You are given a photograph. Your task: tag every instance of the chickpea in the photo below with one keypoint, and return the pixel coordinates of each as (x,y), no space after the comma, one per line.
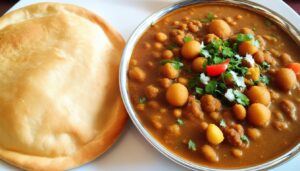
(165,82)
(203,125)
(237,153)
(161,37)
(151,91)
(220,28)
(167,54)
(191,49)
(158,45)
(285,58)
(214,134)
(246,30)
(169,71)
(254,73)
(259,115)
(253,133)
(156,121)
(239,111)
(286,79)
(183,81)
(210,37)
(153,104)
(177,94)
(215,116)
(177,113)
(140,107)
(259,57)
(174,129)
(247,48)
(198,64)
(137,74)
(210,104)
(209,153)
(258,94)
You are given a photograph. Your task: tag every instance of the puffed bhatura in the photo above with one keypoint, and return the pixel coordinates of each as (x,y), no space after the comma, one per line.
(60,105)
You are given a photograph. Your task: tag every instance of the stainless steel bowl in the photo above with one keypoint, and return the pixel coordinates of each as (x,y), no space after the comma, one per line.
(269,13)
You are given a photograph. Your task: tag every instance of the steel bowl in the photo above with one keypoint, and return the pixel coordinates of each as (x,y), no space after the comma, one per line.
(288,27)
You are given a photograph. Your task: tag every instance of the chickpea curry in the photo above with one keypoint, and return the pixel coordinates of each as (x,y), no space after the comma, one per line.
(218,85)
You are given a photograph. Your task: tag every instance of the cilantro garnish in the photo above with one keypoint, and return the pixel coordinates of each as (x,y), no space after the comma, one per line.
(264,79)
(191,145)
(210,16)
(268,23)
(264,65)
(244,37)
(187,39)
(199,90)
(175,63)
(245,139)
(180,122)
(172,46)
(223,123)
(241,98)
(142,100)
(210,88)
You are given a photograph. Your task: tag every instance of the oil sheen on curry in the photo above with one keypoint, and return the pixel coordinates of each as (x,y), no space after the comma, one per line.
(218,85)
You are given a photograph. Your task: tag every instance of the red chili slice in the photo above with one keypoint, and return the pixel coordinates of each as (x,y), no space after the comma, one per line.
(217,69)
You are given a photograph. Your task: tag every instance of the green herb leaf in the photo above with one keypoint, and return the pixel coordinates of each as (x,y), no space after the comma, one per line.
(210,16)
(264,79)
(192,146)
(244,37)
(227,52)
(172,46)
(241,98)
(268,23)
(217,60)
(142,100)
(210,88)
(205,53)
(199,90)
(264,65)
(187,39)
(245,139)
(192,83)
(175,63)
(180,121)
(223,123)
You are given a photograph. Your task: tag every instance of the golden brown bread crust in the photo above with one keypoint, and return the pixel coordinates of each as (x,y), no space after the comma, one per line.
(59,107)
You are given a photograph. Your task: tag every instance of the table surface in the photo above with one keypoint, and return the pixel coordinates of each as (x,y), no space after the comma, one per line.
(6,4)
(142,155)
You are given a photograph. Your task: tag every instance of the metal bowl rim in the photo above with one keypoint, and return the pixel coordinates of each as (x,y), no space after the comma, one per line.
(139,31)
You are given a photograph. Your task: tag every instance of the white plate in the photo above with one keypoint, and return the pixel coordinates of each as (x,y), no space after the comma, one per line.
(132,152)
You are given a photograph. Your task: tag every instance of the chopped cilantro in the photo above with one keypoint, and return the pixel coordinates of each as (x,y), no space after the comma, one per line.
(268,23)
(217,60)
(210,88)
(210,16)
(172,46)
(142,100)
(205,53)
(244,37)
(192,83)
(241,98)
(245,139)
(192,146)
(264,79)
(175,63)
(199,90)
(227,52)
(187,39)
(264,65)
(180,121)
(223,123)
